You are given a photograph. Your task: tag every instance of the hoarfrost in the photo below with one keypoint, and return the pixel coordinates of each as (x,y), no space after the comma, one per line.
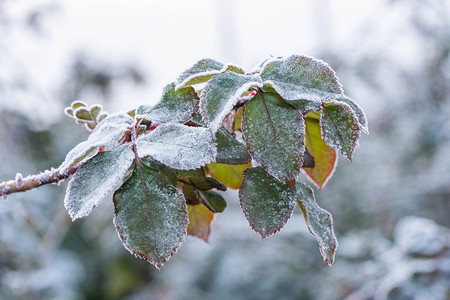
(107,133)
(340,128)
(274,134)
(266,202)
(319,222)
(151,222)
(179,146)
(360,115)
(96,179)
(301,77)
(222,93)
(176,106)
(202,71)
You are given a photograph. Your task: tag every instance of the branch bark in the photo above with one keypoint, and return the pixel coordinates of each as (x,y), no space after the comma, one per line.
(21,184)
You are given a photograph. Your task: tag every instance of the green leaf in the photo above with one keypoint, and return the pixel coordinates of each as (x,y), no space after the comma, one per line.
(319,222)
(96,179)
(150,215)
(340,128)
(305,106)
(325,157)
(235,69)
(300,77)
(220,95)
(83,113)
(77,104)
(95,111)
(266,202)
(201,72)
(190,194)
(198,179)
(176,106)
(107,134)
(229,150)
(200,218)
(170,173)
(359,113)
(274,133)
(179,146)
(230,175)
(213,201)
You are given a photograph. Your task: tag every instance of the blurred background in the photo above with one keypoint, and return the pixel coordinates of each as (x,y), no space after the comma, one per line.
(391,206)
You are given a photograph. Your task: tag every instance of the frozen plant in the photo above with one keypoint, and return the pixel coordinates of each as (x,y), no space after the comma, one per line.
(159,164)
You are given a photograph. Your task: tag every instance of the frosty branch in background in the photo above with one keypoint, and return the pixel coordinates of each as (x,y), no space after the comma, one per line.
(22,184)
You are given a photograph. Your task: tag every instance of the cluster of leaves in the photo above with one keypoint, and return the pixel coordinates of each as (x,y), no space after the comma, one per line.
(216,121)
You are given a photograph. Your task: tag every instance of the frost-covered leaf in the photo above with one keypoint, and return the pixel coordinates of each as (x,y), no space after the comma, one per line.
(230,175)
(340,128)
(266,202)
(319,222)
(229,150)
(76,104)
(300,77)
(83,114)
(212,200)
(170,173)
(360,115)
(150,215)
(305,106)
(201,72)
(234,68)
(221,94)
(176,106)
(97,179)
(107,134)
(179,146)
(274,133)
(325,157)
(200,218)
(95,111)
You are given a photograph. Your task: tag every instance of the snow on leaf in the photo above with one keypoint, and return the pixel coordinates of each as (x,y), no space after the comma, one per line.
(274,134)
(301,77)
(319,222)
(266,202)
(220,95)
(176,106)
(97,179)
(230,175)
(150,215)
(179,146)
(325,157)
(229,150)
(200,218)
(200,72)
(360,115)
(107,133)
(340,128)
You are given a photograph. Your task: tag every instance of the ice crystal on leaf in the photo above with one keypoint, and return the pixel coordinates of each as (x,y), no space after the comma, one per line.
(107,134)
(301,77)
(266,202)
(176,106)
(229,150)
(340,128)
(221,94)
(274,133)
(96,179)
(319,222)
(179,146)
(359,113)
(150,215)
(200,72)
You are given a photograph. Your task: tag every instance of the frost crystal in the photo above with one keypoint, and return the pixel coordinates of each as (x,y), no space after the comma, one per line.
(301,77)
(360,115)
(222,93)
(319,222)
(107,133)
(96,179)
(175,106)
(179,146)
(340,128)
(266,202)
(198,73)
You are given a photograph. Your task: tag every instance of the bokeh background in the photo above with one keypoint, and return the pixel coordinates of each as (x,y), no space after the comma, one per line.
(391,205)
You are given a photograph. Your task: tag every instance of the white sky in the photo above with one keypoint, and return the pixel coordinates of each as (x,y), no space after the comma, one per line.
(165,37)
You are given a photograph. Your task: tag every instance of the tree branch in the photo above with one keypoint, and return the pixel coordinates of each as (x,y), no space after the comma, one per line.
(20,184)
